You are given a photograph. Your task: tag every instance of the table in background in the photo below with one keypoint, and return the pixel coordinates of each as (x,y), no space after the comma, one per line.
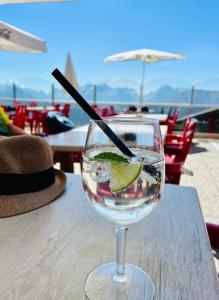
(47,253)
(40,108)
(160,117)
(73,141)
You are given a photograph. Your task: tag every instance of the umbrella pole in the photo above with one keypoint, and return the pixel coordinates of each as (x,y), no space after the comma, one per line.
(14,91)
(192,97)
(141,100)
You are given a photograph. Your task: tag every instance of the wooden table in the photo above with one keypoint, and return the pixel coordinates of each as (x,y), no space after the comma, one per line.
(47,253)
(68,144)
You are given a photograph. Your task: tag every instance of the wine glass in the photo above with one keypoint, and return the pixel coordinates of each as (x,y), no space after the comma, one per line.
(123,190)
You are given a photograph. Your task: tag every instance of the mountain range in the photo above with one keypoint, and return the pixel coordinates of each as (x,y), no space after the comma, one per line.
(105,92)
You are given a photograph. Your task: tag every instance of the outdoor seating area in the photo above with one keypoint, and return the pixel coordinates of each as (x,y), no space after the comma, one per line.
(176,147)
(33,117)
(68,148)
(108,111)
(109,150)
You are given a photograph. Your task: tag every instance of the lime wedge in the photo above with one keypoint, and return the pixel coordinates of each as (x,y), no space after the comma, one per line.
(122,173)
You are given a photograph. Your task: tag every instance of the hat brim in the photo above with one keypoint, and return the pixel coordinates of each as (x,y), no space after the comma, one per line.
(11,205)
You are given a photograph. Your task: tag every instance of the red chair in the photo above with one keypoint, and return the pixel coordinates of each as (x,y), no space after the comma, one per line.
(174,162)
(112,111)
(170,116)
(105,112)
(57,107)
(171,122)
(66,109)
(213,233)
(171,137)
(21,116)
(171,119)
(182,146)
(19,120)
(175,156)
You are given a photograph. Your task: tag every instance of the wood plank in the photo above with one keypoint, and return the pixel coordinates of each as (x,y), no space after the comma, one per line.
(47,253)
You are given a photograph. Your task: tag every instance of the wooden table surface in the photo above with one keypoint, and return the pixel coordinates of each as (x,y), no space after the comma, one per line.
(74,139)
(46,254)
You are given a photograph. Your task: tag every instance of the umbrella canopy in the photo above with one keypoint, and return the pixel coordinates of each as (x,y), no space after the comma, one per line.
(70,73)
(146,56)
(16,40)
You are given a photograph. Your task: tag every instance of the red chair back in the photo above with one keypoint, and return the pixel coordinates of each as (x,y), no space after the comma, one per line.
(19,120)
(174,165)
(171,122)
(105,112)
(21,109)
(187,141)
(186,127)
(66,109)
(57,107)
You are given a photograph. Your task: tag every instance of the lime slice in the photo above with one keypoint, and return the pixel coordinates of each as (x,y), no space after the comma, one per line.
(122,173)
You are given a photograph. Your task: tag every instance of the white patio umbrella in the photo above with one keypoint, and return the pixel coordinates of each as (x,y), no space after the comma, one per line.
(16,40)
(70,73)
(146,56)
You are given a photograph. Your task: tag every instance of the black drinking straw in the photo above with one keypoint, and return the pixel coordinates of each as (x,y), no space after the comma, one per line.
(91,113)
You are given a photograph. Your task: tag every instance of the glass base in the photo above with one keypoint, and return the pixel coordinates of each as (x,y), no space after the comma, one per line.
(103,284)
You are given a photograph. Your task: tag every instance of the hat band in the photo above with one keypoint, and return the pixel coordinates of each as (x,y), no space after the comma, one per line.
(26,183)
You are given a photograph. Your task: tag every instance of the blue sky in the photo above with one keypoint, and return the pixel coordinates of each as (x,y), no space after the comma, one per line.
(93,29)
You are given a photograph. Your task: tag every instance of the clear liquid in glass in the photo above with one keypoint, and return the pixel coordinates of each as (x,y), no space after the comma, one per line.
(132,203)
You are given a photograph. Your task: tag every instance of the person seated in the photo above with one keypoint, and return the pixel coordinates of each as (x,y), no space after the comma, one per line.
(6,126)
(132,108)
(145,109)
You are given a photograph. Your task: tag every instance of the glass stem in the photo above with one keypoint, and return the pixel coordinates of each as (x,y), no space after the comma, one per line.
(121,233)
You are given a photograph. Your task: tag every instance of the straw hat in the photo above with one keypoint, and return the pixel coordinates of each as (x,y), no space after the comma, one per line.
(27,177)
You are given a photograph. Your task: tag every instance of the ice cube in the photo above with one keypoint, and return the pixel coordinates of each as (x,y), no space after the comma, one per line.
(100,173)
(146,176)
